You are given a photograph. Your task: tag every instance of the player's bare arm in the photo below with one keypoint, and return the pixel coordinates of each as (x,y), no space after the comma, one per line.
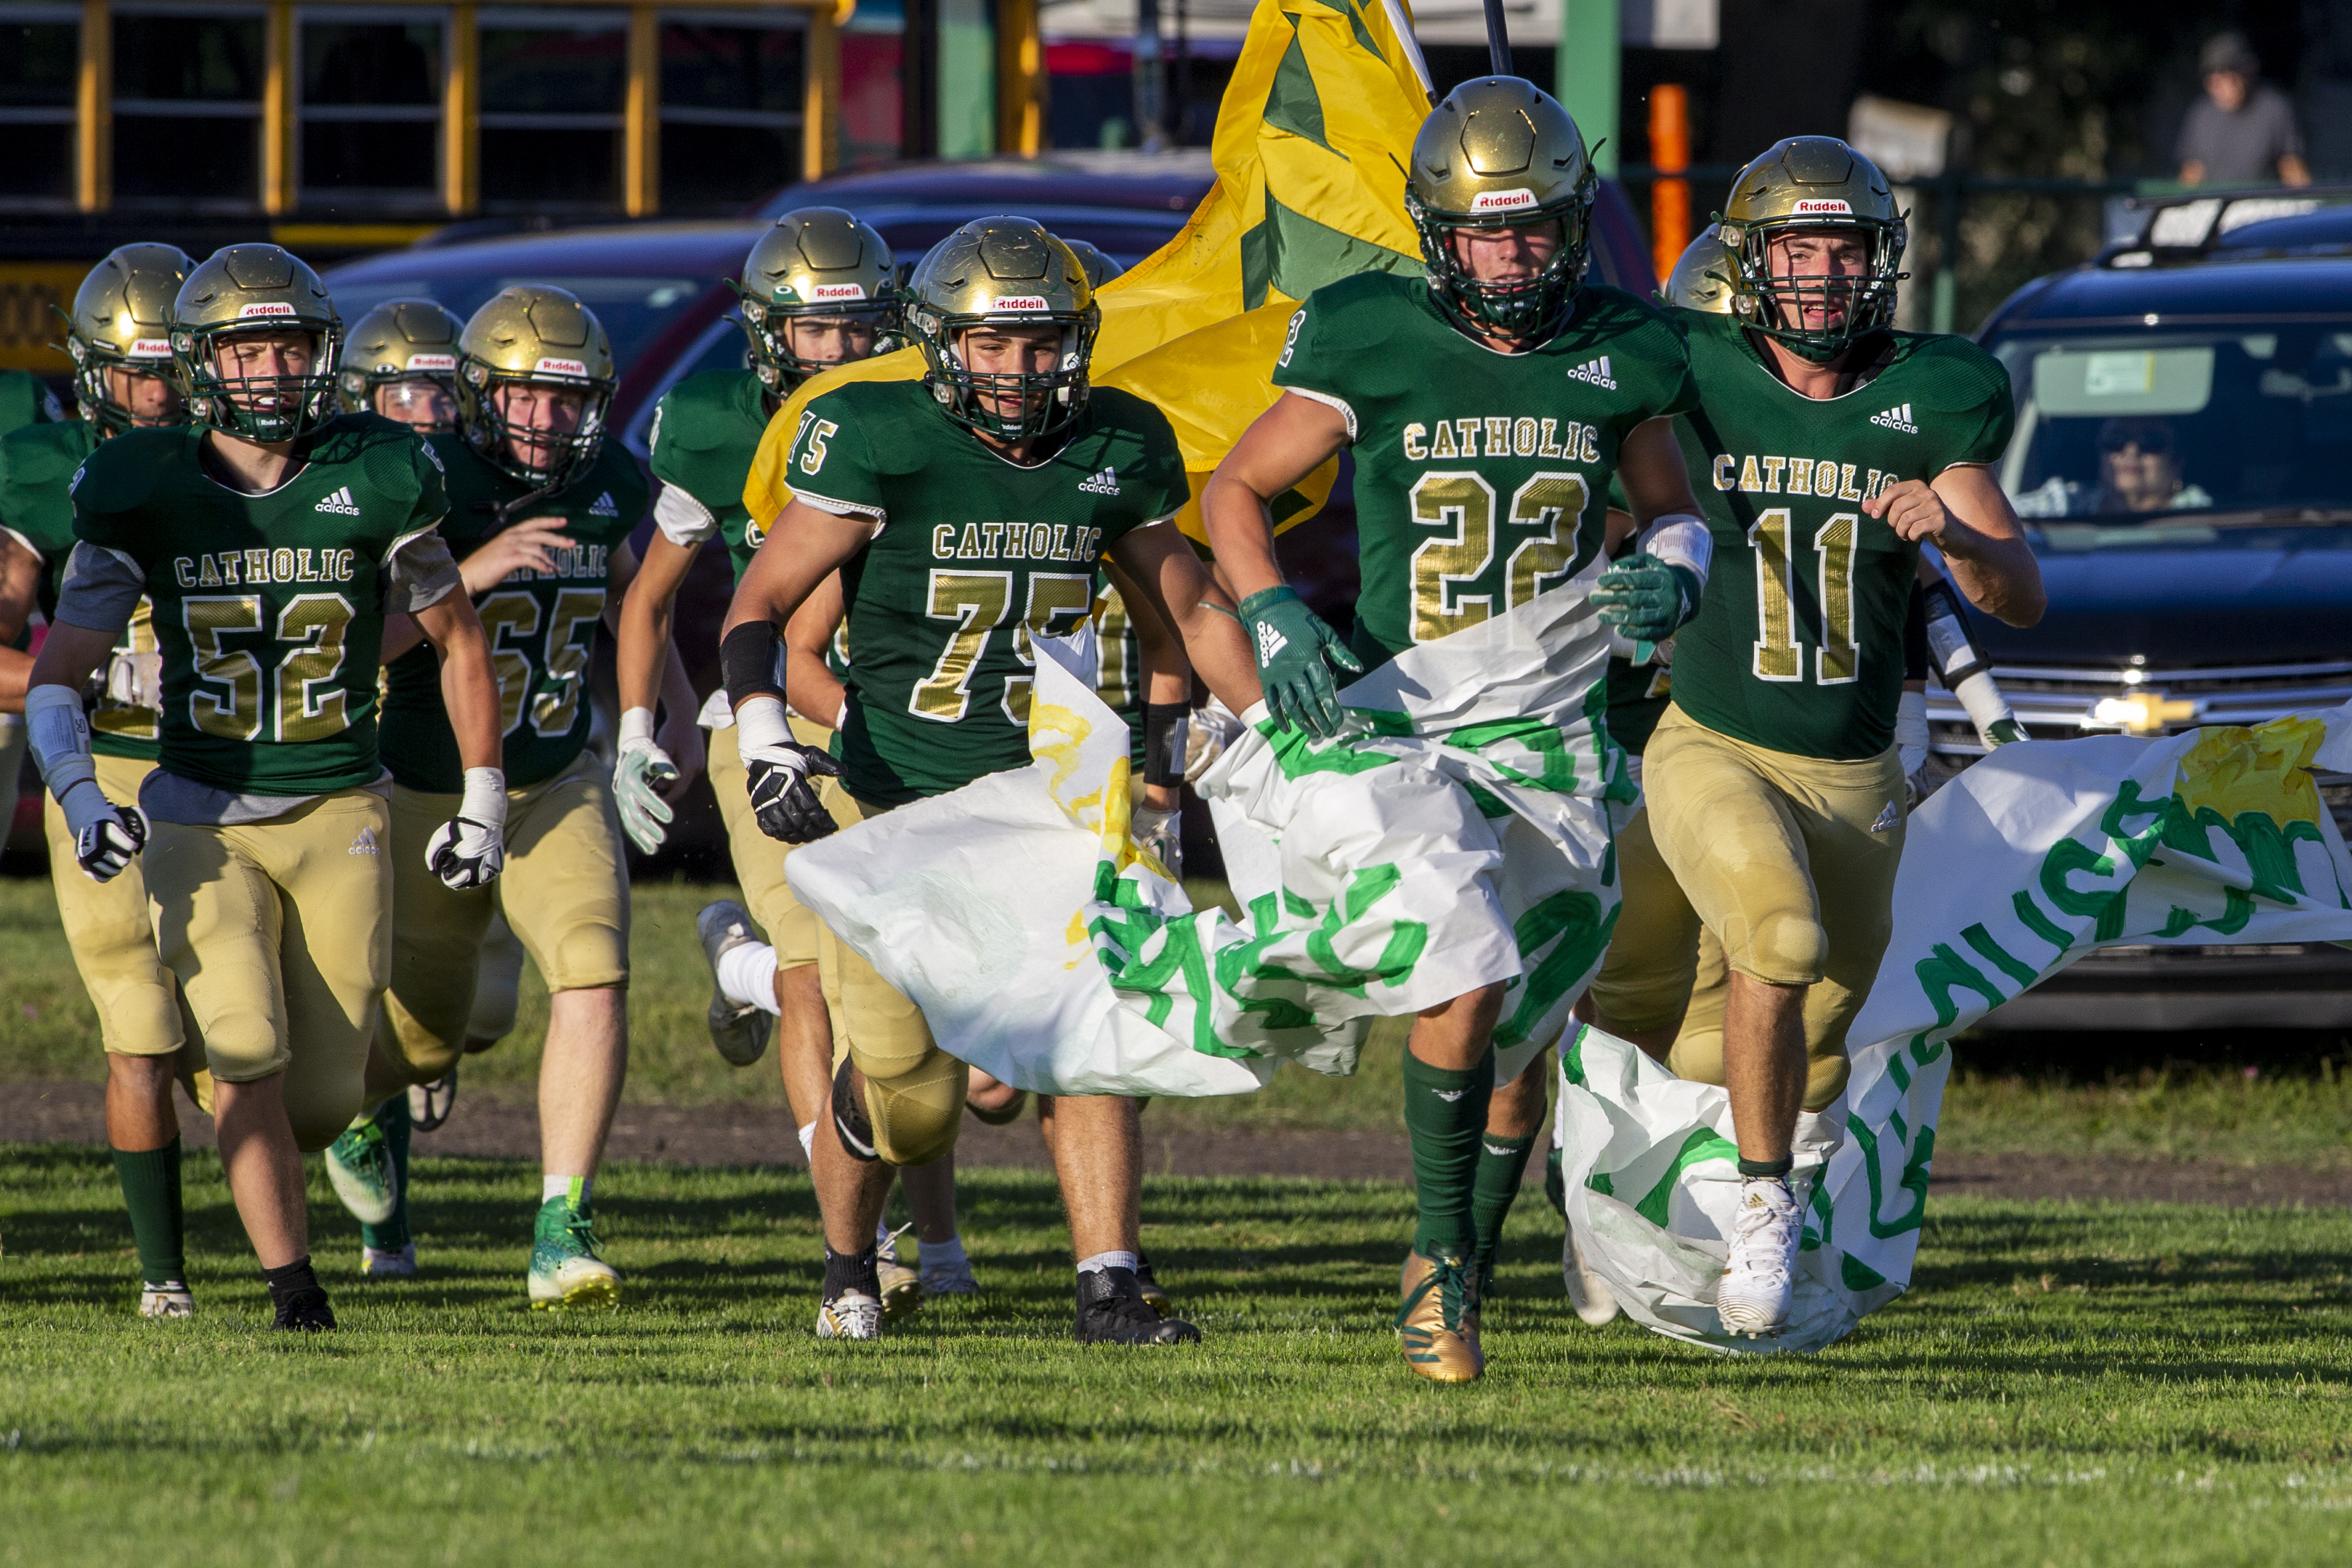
(1966,516)
(810,684)
(648,611)
(678,737)
(20,578)
(1173,584)
(1281,447)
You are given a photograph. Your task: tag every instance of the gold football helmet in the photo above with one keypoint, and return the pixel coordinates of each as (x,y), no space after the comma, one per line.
(1813,183)
(247,289)
(817,261)
(121,320)
(400,340)
(1500,152)
(1705,275)
(1005,271)
(531,335)
(1099,268)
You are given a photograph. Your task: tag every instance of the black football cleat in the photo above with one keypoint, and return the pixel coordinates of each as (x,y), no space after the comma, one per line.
(1112,1312)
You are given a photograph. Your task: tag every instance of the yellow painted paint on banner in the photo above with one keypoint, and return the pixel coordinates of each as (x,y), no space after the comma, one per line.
(1310,150)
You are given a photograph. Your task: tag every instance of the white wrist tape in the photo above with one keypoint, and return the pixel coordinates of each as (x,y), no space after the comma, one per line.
(1911,720)
(1978,694)
(1679,538)
(636,725)
(485,799)
(760,726)
(60,737)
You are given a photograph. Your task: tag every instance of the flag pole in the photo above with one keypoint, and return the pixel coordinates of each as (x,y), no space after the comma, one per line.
(1499,38)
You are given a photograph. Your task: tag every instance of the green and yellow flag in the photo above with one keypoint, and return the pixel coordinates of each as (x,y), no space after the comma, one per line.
(1310,151)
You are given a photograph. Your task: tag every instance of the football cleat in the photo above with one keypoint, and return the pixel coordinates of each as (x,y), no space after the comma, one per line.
(567,1266)
(902,1288)
(1437,1319)
(738,1030)
(360,1165)
(388,1262)
(949,1278)
(304,1312)
(1586,1291)
(852,1315)
(172,1299)
(429,1104)
(1759,1279)
(1154,1296)
(1112,1312)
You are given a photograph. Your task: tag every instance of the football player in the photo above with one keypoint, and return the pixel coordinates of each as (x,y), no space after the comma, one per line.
(541,507)
(966,512)
(819,288)
(1831,446)
(273,538)
(400,361)
(120,339)
(25,399)
(1488,407)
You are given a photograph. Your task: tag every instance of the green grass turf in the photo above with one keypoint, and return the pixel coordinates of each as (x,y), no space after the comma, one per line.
(2065,1385)
(47,1031)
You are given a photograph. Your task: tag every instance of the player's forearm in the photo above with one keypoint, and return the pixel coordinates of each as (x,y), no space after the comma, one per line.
(647,619)
(678,700)
(1999,576)
(401,633)
(16,675)
(71,654)
(1240,523)
(469,686)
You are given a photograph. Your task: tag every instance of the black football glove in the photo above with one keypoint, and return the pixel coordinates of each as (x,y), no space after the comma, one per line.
(783,801)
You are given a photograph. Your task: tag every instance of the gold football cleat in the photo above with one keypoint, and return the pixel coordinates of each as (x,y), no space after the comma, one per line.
(902,1288)
(1437,1321)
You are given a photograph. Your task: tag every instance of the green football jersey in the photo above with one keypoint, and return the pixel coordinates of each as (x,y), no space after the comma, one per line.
(269,610)
(25,399)
(706,430)
(972,555)
(36,465)
(1481,476)
(542,627)
(1798,646)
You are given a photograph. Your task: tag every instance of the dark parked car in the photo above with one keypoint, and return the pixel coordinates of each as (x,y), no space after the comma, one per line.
(2184,421)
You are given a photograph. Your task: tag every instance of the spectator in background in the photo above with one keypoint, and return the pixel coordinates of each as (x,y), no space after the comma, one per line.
(2242,132)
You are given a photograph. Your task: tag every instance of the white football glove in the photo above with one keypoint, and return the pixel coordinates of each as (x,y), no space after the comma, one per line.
(469,850)
(1911,742)
(783,801)
(1161,835)
(1212,729)
(106,836)
(641,770)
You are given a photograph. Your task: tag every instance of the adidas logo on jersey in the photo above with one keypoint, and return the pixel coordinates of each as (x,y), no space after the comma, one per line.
(1269,643)
(1896,419)
(604,505)
(1105,483)
(1595,371)
(339,503)
(1886,819)
(365,843)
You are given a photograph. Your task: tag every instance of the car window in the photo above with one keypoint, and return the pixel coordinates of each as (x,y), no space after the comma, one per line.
(2128,427)
(719,346)
(635,310)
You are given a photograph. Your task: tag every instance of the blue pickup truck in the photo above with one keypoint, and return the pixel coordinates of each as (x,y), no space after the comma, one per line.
(2183,464)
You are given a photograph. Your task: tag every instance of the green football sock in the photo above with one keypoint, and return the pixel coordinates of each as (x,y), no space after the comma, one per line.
(151,1190)
(392,1234)
(1502,1162)
(1445,1113)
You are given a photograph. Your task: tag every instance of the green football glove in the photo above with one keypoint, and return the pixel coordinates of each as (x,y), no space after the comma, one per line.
(1645,598)
(2004,732)
(1292,645)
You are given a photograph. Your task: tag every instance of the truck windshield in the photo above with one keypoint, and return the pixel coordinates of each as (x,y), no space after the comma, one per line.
(2138,426)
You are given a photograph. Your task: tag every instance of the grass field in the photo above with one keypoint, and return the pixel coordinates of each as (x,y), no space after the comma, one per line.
(47,1031)
(2141,1387)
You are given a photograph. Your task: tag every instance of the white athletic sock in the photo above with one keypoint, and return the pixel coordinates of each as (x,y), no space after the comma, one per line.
(575,1188)
(746,976)
(808,1141)
(1108,1261)
(948,1254)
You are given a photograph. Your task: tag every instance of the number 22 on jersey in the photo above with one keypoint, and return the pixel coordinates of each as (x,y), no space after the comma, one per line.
(1780,655)
(1446,568)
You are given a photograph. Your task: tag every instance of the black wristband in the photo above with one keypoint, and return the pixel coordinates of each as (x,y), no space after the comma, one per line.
(1165,724)
(747,662)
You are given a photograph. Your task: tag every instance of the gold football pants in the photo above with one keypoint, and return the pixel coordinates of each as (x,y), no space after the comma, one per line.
(1788,862)
(140,1010)
(760,859)
(914,1090)
(565,892)
(279,933)
(1646,975)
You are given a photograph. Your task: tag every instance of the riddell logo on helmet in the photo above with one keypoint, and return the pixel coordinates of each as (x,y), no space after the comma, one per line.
(264,308)
(838,291)
(1022,302)
(432,362)
(151,348)
(1823,207)
(1503,201)
(558,367)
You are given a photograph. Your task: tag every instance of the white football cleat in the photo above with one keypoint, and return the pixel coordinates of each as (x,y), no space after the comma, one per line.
(852,1315)
(1759,1279)
(388,1263)
(172,1299)
(1586,1291)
